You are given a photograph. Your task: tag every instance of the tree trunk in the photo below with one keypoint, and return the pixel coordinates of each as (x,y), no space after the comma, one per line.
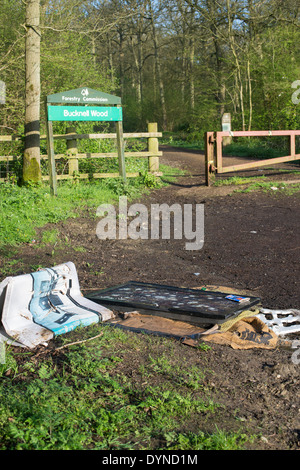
(237,64)
(121,62)
(31,162)
(192,83)
(250,96)
(137,68)
(158,70)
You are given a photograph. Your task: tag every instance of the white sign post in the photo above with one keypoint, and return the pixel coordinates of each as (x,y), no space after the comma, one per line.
(2,92)
(226,127)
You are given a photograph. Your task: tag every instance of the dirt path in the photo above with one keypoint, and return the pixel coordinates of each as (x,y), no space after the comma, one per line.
(252,242)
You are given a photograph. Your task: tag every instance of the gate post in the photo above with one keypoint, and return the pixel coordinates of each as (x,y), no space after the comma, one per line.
(153,148)
(292,145)
(51,157)
(209,158)
(72,152)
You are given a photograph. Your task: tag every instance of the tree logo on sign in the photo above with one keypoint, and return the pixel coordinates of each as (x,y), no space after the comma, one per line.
(85,92)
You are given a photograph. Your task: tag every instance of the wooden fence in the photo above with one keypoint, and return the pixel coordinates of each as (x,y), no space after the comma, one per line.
(214,153)
(72,156)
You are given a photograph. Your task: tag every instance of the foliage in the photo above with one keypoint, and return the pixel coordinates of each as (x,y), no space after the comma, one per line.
(79,398)
(192,61)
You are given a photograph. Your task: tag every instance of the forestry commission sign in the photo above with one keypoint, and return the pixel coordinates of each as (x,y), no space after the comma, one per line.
(83,104)
(84,96)
(80,105)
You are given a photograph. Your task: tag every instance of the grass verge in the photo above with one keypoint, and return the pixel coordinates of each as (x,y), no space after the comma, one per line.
(112,390)
(260,183)
(23,209)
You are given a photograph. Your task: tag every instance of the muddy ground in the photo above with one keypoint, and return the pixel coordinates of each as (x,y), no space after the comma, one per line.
(252,243)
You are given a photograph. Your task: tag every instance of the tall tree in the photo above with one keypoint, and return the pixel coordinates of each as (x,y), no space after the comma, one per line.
(152,19)
(31,162)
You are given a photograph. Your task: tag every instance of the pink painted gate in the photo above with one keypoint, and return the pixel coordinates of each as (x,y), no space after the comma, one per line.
(214,151)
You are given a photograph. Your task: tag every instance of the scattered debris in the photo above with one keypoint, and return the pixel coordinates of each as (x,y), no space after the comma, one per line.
(245,334)
(158,325)
(282,322)
(36,307)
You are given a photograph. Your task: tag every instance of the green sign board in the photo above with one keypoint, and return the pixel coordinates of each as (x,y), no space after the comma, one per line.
(91,105)
(84,113)
(84,96)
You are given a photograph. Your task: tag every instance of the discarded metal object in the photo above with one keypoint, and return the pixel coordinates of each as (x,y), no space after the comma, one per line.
(36,307)
(178,303)
(282,322)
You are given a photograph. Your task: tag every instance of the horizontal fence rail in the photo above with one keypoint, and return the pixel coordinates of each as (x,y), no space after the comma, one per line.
(214,151)
(72,155)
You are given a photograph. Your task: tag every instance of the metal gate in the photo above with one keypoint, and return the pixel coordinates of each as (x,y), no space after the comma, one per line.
(214,151)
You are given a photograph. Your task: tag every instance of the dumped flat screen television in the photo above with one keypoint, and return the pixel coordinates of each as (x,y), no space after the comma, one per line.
(179,303)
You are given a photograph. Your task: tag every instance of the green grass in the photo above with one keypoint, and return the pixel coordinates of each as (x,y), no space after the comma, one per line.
(182,140)
(260,183)
(81,397)
(23,209)
(50,236)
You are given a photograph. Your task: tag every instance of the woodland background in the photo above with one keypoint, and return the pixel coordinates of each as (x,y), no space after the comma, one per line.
(181,63)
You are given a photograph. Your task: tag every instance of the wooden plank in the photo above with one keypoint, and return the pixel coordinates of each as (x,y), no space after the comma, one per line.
(105,155)
(142,134)
(258,163)
(9,158)
(257,133)
(94,175)
(129,135)
(10,138)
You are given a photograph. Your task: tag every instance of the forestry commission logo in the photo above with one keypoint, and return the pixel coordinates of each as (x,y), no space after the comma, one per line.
(85,92)
(161,221)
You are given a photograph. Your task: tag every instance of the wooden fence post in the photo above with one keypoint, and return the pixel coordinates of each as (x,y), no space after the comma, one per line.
(153,148)
(120,150)
(51,157)
(72,152)
(209,158)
